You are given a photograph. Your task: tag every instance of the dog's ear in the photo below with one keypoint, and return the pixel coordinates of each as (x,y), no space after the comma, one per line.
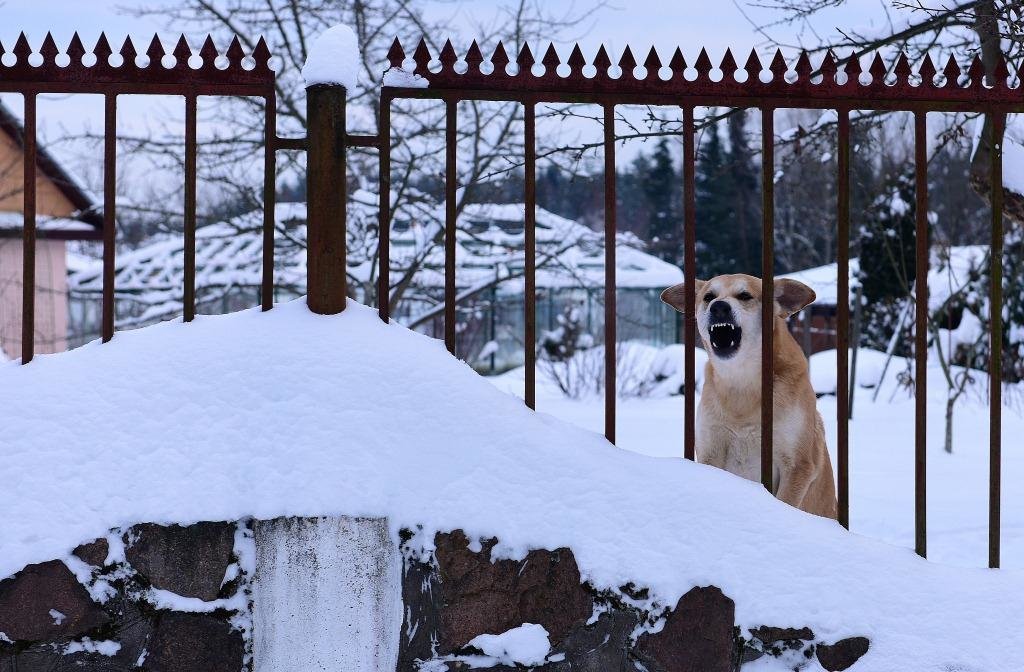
(792,296)
(675,295)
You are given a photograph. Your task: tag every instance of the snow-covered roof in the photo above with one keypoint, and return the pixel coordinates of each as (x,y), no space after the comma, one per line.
(221,419)
(16,221)
(948,270)
(490,240)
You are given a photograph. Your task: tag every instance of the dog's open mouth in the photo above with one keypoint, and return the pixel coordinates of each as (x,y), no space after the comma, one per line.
(725,338)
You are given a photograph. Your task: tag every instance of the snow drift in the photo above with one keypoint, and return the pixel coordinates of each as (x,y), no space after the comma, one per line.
(290,413)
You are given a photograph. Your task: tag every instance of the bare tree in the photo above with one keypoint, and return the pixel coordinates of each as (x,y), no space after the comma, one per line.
(489,133)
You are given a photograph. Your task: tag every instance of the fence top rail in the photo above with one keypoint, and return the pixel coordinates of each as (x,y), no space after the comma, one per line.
(236,70)
(830,81)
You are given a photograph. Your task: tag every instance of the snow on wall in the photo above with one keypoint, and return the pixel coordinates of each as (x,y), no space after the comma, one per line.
(287,413)
(326,595)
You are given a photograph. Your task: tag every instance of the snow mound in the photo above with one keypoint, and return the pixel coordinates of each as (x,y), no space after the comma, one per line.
(399,77)
(333,58)
(526,645)
(870,366)
(291,413)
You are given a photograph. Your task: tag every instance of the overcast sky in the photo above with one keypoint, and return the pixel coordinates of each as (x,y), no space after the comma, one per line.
(688,23)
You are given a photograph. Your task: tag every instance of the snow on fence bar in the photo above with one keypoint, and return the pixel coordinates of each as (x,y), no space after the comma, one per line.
(840,83)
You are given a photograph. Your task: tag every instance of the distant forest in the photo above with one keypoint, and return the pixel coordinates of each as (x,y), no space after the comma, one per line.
(728,178)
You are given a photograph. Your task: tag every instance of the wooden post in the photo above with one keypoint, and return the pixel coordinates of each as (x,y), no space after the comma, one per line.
(326,197)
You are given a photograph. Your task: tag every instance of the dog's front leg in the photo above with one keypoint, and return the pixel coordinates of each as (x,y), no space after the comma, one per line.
(794,482)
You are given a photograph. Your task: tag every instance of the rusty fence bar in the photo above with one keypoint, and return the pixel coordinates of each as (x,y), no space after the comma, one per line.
(921,335)
(530,253)
(690,279)
(995,421)
(326,196)
(189,298)
(768,317)
(450,219)
(384,214)
(609,274)
(269,200)
(109,212)
(28,261)
(843,319)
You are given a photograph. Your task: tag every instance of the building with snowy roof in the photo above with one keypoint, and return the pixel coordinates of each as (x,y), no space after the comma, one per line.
(950,269)
(65,211)
(489,275)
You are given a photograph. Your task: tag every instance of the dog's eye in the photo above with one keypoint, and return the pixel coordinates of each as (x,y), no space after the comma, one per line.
(744,296)
(709,297)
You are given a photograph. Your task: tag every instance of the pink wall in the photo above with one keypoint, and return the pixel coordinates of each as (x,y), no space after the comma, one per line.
(51,323)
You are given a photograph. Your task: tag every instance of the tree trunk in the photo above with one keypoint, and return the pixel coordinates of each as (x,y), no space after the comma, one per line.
(986,25)
(950,402)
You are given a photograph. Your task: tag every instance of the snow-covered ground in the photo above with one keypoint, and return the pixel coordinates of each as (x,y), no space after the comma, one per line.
(881,449)
(288,413)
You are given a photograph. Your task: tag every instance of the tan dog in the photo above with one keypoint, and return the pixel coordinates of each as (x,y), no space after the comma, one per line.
(729,415)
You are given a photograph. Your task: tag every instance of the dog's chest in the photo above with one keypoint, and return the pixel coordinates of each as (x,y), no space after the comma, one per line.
(735,449)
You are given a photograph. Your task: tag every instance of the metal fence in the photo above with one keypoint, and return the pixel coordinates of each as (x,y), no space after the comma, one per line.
(837,84)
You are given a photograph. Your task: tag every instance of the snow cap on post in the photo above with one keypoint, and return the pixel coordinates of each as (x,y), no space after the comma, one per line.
(333,58)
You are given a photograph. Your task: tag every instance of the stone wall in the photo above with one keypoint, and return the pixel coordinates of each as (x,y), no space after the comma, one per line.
(182,599)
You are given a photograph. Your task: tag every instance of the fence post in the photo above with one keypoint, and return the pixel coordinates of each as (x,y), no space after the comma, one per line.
(326,280)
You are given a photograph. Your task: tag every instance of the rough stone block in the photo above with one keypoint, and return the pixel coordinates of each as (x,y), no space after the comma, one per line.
(770,635)
(600,647)
(843,654)
(421,594)
(193,642)
(46,602)
(94,552)
(479,596)
(189,561)
(697,637)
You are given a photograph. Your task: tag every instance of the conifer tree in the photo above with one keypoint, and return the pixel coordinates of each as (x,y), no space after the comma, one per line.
(662,191)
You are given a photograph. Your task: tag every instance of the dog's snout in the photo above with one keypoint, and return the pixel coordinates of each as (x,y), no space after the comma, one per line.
(720,310)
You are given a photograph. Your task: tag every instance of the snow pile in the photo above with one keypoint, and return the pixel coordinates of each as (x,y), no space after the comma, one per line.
(333,58)
(526,645)
(1013,161)
(104,647)
(870,366)
(401,78)
(290,413)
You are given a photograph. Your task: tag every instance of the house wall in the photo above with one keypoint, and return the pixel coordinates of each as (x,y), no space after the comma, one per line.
(51,321)
(49,199)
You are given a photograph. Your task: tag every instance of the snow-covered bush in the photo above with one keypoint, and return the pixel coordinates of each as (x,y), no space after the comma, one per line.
(562,342)
(887,264)
(641,371)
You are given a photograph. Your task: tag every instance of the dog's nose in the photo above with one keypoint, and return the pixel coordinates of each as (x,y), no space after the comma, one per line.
(720,310)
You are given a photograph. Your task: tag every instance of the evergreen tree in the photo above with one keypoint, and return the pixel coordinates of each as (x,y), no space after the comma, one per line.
(634,210)
(745,197)
(728,228)
(715,243)
(661,188)
(888,262)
